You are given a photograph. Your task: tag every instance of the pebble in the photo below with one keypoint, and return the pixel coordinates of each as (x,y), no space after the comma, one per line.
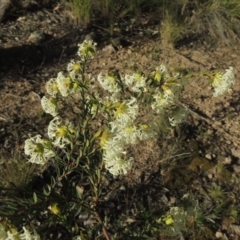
(109,49)
(221,236)
(36,37)
(235,152)
(210,176)
(129,51)
(236,168)
(227,160)
(208,156)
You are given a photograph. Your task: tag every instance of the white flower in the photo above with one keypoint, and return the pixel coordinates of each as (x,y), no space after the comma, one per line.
(147,131)
(60,133)
(118,165)
(128,134)
(167,92)
(3,233)
(66,85)
(161,101)
(77,238)
(109,83)
(74,66)
(38,149)
(12,236)
(160,73)
(76,78)
(126,111)
(49,105)
(113,157)
(28,236)
(222,83)
(86,49)
(136,82)
(52,88)
(112,147)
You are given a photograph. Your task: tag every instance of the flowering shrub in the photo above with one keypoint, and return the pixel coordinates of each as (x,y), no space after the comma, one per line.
(95,123)
(125,98)
(7,233)
(222,82)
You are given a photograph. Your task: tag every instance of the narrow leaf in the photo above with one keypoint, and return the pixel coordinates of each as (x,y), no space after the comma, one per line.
(35,197)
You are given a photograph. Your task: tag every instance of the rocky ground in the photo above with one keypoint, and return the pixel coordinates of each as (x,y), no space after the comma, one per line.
(36,45)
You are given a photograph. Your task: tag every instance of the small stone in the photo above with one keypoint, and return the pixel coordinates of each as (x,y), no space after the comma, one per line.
(227,160)
(210,176)
(235,152)
(236,168)
(219,235)
(21,19)
(122,188)
(109,49)
(36,37)
(208,156)
(90,36)
(172,201)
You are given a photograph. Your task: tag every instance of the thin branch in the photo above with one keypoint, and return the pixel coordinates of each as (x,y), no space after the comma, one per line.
(103,226)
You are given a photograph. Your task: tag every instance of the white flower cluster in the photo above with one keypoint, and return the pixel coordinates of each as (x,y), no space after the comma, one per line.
(162,101)
(123,132)
(64,85)
(60,133)
(222,83)
(38,149)
(50,105)
(86,49)
(164,96)
(109,83)
(136,82)
(160,73)
(13,234)
(70,84)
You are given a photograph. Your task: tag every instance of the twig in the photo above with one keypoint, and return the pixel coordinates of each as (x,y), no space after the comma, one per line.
(61,54)
(178,155)
(42,62)
(103,226)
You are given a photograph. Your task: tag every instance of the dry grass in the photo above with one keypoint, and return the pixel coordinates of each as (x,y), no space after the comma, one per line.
(215,20)
(171,30)
(14,170)
(79,11)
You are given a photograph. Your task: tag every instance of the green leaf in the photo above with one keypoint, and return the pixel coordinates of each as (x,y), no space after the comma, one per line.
(79,191)
(97,134)
(86,146)
(45,192)
(53,181)
(78,211)
(72,207)
(79,157)
(35,197)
